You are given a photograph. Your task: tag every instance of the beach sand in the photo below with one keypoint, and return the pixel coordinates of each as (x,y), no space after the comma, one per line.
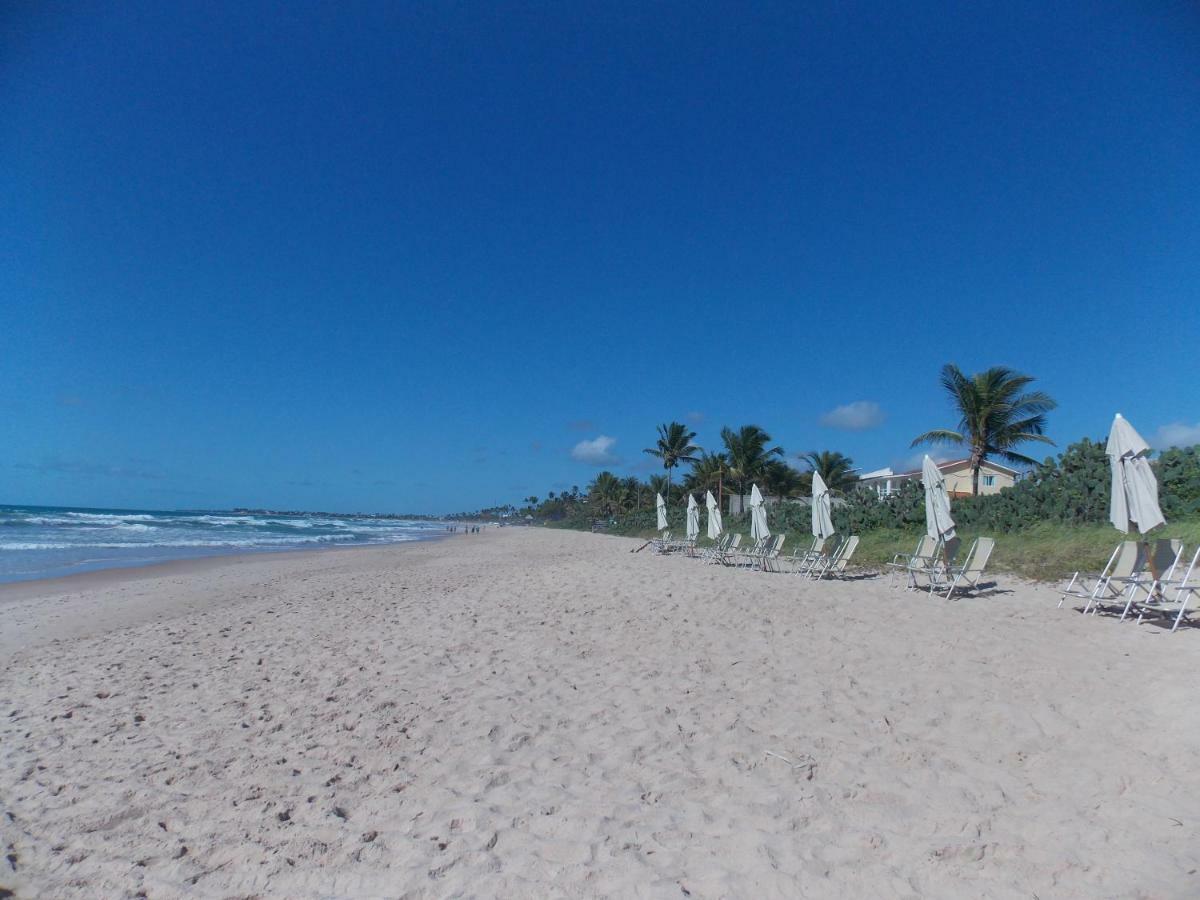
(532,713)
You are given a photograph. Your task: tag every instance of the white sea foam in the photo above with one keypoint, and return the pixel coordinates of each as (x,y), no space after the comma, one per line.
(42,541)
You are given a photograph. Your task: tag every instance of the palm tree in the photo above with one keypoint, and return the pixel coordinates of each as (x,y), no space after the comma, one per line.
(673,447)
(780,479)
(836,469)
(747,452)
(633,488)
(708,472)
(605,493)
(994,416)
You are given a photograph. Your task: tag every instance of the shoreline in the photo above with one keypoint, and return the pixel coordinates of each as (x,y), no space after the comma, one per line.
(107,575)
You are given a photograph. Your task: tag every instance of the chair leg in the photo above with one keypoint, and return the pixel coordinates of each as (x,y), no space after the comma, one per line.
(1182,607)
(1063,598)
(1129,602)
(953,586)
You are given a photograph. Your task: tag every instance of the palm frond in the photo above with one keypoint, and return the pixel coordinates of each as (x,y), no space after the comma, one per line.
(938,436)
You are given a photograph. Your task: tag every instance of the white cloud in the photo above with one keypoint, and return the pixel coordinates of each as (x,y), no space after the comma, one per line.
(696,417)
(857,416)
(596,452)
(1177,434)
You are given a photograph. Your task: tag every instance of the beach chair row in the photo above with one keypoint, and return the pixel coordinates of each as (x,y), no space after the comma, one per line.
(934,562)
(1151,579)
(824,558)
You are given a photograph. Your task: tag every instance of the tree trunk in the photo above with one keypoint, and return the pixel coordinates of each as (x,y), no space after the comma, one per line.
(976,459)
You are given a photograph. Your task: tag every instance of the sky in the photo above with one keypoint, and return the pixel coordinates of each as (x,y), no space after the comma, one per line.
(432,257)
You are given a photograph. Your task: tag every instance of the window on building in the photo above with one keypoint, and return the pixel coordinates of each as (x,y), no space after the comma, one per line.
(989,480)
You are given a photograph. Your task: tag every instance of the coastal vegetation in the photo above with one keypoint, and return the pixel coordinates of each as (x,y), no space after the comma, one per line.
(1052,521)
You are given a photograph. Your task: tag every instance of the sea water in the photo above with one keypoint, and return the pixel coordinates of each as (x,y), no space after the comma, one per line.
(44,541)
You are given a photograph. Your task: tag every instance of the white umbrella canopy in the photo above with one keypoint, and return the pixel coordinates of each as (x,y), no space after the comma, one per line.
(715,525)
(1134,499)
(758,515)
(693,518)
(661,506)
(938,523)
(822,517)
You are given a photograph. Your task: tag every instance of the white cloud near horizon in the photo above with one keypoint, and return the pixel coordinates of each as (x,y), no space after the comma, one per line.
(860,415)
(1177,434)
(596,452)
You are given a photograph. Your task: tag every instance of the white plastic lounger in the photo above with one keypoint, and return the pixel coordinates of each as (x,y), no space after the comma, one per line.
(1124,563)
(709,554)
(801,554)
(1163,563)
(834,565)
(748,557)
(965,577)
(1119,589)
(770,557)
(921,560)
(803,562)
(727,556)
(936,566)
(1188,585)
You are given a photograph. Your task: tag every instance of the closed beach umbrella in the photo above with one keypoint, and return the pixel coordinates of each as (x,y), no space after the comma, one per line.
(938,524)
(1134,501)
(715,525)
(661,505)
(822,519)
(693,518)
(758,515)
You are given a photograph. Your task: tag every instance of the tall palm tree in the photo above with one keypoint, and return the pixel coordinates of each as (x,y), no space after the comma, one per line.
(995,415)
(747,452)
(673,447)
(836,469)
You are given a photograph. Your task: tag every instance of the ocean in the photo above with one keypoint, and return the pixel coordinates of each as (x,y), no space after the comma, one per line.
(47,541)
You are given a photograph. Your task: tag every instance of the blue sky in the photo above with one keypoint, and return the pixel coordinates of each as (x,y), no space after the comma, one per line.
(427,258)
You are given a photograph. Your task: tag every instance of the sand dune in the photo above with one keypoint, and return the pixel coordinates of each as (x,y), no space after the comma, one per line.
(532,713)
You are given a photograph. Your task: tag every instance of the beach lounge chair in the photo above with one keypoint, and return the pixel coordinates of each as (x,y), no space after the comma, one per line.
(1183,592)
(728,555)
(934,568)
(826,553)
(1117,589)
(799,552)
(834,565)
(1124,563)
(682,545)
(770,557)
(1163,561)
(709,553)
(929,556)
(965,577)
(749,558)
(802,558)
